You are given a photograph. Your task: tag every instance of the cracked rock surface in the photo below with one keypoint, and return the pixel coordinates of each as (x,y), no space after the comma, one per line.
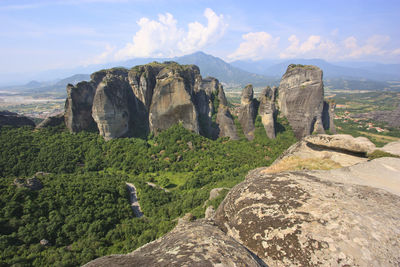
(316,218)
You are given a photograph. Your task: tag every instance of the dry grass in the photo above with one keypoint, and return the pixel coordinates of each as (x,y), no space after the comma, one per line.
(294,163)
(381,138)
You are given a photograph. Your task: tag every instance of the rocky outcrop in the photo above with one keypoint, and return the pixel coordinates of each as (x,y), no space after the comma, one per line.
(267,110)
(197,243)
(51,121)
(13,119)
(247,112)
(323,152)
(328,112)
(172,100)
(300,99)
(78,107)
(32,183)
(152,97)
(113,107)
(392,148)
(318,218)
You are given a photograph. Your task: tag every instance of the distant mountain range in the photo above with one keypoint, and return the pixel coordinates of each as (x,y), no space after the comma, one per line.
(237,74)
(345,70)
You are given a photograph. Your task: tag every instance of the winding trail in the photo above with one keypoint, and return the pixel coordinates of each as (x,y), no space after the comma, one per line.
(134,202)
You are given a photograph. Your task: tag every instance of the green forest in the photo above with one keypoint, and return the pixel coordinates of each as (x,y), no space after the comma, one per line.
(83,209)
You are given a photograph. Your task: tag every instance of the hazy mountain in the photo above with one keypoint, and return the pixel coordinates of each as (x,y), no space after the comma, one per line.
(346,70)
(352,75)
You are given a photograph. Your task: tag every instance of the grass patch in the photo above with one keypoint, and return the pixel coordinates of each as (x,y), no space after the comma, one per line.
(295,163)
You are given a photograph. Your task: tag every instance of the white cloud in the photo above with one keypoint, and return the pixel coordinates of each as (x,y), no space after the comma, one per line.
(374,46)
(163,38)
(103,57)
(396,52)
(256,45)
(315,46)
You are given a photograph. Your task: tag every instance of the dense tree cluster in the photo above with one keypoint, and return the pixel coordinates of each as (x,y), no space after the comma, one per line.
(83,209)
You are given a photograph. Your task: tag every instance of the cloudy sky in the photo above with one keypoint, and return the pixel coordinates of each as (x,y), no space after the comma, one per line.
(46,34)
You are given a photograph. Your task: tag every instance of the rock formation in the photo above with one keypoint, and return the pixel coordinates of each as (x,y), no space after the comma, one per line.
(51,121)
(323,152)
(318,218)
(392,148)
(32,183)
(112,107)
(267,110)
(247,112)
(328,112)
(146,98)
(78,107)
(13,119)
(196,243)
(300,99)
(172,100)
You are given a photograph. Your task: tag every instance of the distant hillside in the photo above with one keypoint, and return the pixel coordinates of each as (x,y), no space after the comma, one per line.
(346,70)
(237,74)
(225,72)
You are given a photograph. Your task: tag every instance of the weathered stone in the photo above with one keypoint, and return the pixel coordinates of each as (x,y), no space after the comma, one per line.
(197,243)
(78,107)
(13,119)
(51,121)
(328,113)
(32,183)
(113,107)
(143,80)
(300,99)
(225,123)
(247,112)
(267,111)
(318,218)
(323,152)
(344,142)
(172,99)
(392,148)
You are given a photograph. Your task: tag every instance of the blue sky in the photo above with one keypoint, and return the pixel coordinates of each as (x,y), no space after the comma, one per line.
(49,34)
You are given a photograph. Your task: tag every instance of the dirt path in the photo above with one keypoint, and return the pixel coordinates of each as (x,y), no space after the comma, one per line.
(134,202)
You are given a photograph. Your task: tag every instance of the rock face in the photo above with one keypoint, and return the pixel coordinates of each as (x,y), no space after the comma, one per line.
(323,152)
(51,121)
(300,100)
(328,115)
(317,218)
(172,100)
(196,243)
(247,112)
(152,97)
(13,119)
(267,110)
(392,148)
(112,107)
(78,107)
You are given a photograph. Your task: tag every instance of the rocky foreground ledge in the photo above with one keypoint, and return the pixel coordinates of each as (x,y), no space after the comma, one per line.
(348,216)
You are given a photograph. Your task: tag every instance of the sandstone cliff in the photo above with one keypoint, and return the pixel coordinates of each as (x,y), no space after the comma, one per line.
(300,99)
(119,102)
(247,112)
(267,110)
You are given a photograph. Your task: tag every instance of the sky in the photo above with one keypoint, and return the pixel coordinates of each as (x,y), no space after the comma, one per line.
(40,35)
